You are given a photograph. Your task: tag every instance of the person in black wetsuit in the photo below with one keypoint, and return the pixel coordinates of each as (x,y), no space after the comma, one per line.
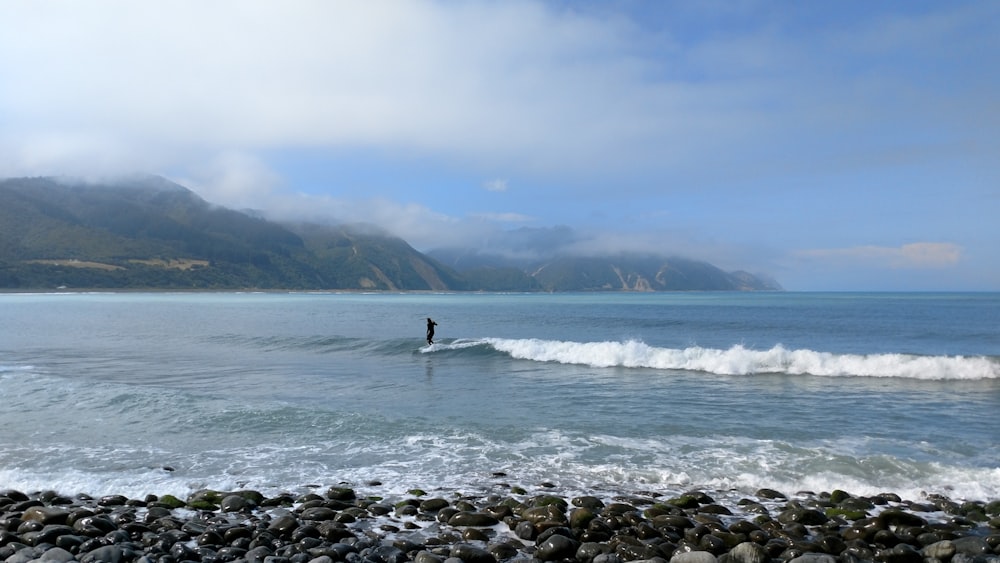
(430,331)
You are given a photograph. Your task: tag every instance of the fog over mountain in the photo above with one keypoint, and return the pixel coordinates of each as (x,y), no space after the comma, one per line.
(149,232)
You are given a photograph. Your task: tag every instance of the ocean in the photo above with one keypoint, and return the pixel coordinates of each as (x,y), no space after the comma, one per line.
(597,393)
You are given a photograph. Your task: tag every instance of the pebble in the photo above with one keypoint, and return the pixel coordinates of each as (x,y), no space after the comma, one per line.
(344,527)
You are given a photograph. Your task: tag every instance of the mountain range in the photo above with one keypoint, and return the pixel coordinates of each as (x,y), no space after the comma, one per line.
(146,232)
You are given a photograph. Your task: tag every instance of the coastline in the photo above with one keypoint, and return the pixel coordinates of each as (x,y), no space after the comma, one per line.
(336,523)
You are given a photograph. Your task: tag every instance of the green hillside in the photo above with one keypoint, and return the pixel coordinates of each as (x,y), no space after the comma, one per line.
(150,233)
(146,232)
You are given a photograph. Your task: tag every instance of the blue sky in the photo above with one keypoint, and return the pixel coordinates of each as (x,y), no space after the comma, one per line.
(832,145)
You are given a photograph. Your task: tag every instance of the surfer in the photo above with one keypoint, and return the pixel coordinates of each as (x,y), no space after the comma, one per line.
(430,331)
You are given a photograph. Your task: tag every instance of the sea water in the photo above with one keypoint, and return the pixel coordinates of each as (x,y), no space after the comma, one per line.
(156,393)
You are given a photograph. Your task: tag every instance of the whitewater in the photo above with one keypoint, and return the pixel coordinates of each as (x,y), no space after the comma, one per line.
(166,393)
(737,360)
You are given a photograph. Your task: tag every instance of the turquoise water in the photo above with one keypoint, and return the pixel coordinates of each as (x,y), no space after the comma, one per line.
(167,393)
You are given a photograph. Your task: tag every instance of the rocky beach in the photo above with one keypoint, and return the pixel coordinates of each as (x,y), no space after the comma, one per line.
(506,523)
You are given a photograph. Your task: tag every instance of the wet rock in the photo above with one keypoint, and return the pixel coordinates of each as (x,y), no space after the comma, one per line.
(503,550)
(972,545)
(57,555)
(426,557)
(607,558)
(341,493)
(814,558)
(896,517)
(746,552)
(770,494)
(555,547)
(433,504)
(103,554)
(46,515)
(802,515)
(244,526)
(387,554)
(234,503)
(942,550)
(471,554)
(901,553)
(472,519)
(694,557)
(283,525)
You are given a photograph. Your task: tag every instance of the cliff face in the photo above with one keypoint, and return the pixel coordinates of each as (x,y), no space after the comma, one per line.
(147,232)
(643,273)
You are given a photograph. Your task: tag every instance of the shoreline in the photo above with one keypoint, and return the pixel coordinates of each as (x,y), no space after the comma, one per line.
(337,523)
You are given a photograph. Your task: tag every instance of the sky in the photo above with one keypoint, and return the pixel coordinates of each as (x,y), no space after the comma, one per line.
(848,145)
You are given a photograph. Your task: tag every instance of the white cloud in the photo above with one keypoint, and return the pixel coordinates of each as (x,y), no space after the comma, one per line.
(527,85)
(238,180)
(504,217)
(495,185)
(918,255)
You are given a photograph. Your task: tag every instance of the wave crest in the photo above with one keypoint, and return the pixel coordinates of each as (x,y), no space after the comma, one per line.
(739,360)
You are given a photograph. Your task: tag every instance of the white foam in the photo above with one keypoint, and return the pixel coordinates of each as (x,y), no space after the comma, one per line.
(460,461)
(739,360)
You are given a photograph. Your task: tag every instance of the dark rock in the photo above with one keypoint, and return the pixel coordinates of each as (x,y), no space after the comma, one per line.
(802,515)
(387,554)
(471,554)
(334,531)
(832,544)
(553,531)
(24,555)
(693,557)
(94,525)
(814,558)
(234,503)
(181,552)
(712,544)
(618,508)
(303,532)
(210,537)
(892,517)
(526,530)
(427,557)
(636,552)
(112,500)
(57,555)
(538,514)
(433,504)
(70,543)
(714,509)
(593,503)
(14,495)
(283,526)
(46,515)
(341,493)
(503,550)
(50,534)
(885,538)
(472,519)
(901,553)
(748,552)
(557,547)
(684,501)
(972,545)
(475,534)
(103,554)
(589,550)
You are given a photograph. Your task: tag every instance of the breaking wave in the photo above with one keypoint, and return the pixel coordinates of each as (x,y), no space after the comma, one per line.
(738,360)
